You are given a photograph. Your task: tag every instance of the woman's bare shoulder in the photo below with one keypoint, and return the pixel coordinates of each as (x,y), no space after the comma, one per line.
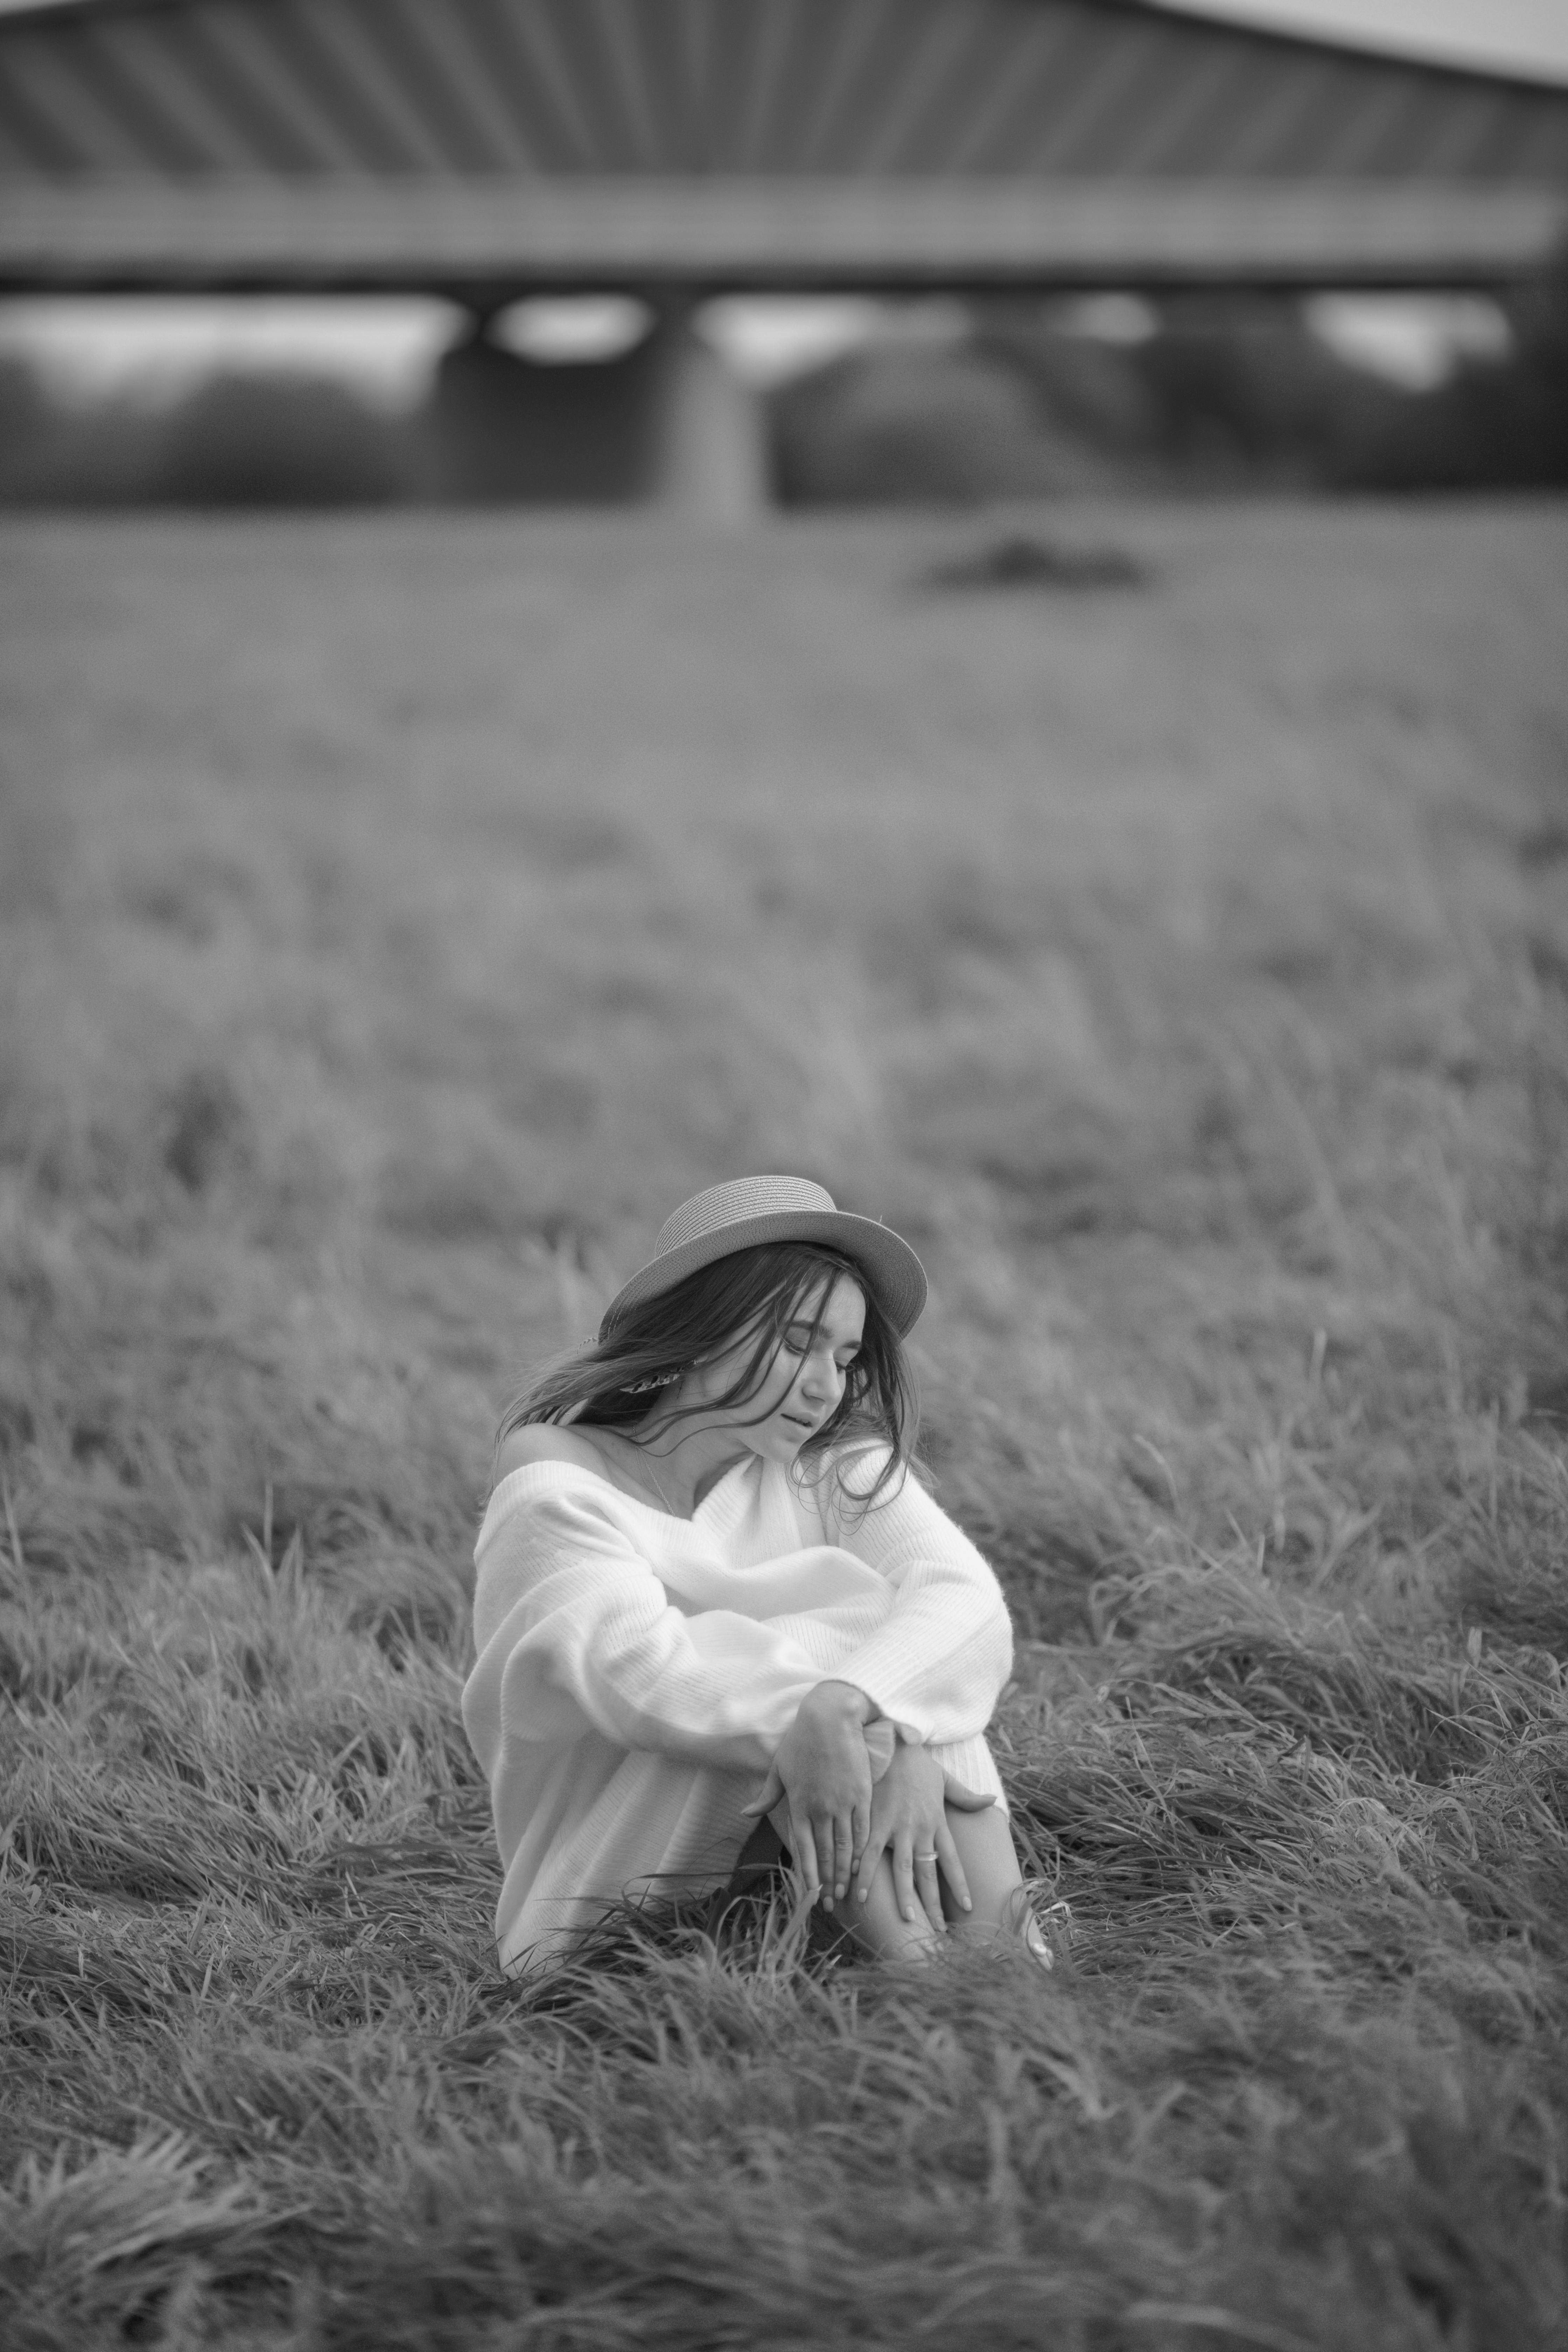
(545,1441)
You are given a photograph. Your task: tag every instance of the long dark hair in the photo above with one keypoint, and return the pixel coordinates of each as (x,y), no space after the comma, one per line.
(753,1294)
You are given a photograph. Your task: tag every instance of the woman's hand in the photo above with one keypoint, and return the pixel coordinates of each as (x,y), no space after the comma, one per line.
(909,1821)
(824,1769)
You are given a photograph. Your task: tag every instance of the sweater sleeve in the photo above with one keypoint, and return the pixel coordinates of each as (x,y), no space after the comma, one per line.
(575,1631)
(939,1664)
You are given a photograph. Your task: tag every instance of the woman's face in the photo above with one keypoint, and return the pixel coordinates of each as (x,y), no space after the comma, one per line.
(804,1385)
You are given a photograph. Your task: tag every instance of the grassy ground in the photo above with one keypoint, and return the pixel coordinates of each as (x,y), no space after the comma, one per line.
(396,917)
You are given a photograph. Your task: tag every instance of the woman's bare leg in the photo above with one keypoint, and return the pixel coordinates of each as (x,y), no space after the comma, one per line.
(879,1925)
(984,1845)
(1001,1906)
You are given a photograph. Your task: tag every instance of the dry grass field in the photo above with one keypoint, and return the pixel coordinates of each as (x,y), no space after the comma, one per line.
(397,915)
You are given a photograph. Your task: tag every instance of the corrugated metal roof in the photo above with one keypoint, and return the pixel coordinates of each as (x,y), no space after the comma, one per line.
(245,111)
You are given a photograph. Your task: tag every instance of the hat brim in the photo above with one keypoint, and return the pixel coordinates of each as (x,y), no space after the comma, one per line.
(891,1269)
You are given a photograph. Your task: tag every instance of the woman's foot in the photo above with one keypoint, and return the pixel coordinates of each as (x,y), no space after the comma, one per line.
(1012,1921)
(1028,1930)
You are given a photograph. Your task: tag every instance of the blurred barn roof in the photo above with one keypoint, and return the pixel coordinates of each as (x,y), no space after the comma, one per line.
(486,147)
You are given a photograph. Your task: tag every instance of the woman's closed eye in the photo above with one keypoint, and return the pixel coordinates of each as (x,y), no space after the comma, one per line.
(845,1359)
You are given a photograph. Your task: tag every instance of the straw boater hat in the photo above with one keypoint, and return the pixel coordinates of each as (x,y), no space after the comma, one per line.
(737,1216)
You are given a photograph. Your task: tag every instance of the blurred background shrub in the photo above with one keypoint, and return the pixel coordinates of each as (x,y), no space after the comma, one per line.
(1223,394)
(240,438)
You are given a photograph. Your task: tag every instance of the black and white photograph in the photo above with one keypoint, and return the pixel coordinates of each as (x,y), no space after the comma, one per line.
(784,1175)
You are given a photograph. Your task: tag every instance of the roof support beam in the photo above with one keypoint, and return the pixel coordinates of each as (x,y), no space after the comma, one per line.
(433,233)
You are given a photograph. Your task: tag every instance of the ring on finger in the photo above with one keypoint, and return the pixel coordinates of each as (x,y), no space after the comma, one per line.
(924,1857)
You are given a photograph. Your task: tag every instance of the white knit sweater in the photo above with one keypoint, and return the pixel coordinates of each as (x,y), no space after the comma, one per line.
(637,1671)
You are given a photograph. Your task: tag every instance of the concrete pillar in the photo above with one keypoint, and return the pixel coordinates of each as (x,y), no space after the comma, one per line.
(668,424)
(707,446)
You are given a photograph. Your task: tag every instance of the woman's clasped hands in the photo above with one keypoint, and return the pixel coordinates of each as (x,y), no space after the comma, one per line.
(855,1792)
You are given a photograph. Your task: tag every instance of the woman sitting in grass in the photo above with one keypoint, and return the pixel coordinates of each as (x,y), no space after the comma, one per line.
(710,1590)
